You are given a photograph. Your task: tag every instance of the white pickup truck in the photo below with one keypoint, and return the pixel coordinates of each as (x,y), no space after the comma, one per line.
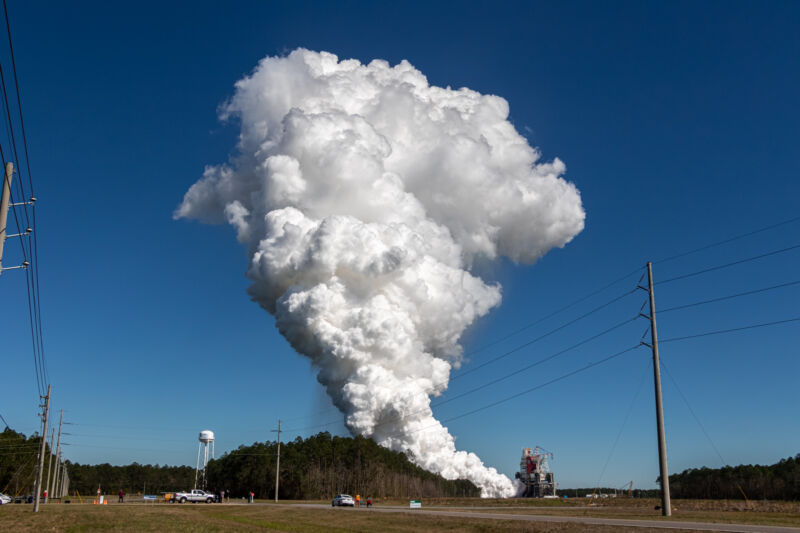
(193,496)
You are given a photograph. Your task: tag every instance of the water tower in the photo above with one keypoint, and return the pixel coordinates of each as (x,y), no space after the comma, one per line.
(206,437)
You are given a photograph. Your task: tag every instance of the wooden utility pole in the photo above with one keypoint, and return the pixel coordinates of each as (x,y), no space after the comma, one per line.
(64,481)
(5,197)
(666,506)
(278,464)
(58,455)
(37,493)
(50,465)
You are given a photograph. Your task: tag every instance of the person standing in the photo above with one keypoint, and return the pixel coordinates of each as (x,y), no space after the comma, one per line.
(358,500)
(121,496)
(369,501)
(222,496)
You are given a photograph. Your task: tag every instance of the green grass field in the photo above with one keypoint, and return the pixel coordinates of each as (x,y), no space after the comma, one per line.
(212,518)
(242,517)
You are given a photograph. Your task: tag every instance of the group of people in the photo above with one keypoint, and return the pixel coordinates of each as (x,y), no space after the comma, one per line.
(358,500)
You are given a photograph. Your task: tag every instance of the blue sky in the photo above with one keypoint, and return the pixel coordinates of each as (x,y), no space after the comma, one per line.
(677,122)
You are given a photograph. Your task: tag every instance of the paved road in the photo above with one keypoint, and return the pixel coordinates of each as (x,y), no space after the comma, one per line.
(617,522)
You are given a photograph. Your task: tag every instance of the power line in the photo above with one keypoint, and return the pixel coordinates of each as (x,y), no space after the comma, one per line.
(622,278)
(528,391)
(721,331)
(161,450)
(35,247)
(557,311)
(124,437)
(537,339)
(186,428)
(585,297)
(30,296)
(622,428)
(590,365)
(489,383)
(726,241)
(32,274)
(694,415)
(729,297)
(12,139)
(332,422)
(36,359)
(13,209)
(117,426)
(30,280)
(19,100)
(536,363)
(326,411)
(732,263)
(235,453)
(30,445)
(13,454)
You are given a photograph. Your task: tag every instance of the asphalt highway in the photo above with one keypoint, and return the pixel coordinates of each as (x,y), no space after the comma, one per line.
(615,522)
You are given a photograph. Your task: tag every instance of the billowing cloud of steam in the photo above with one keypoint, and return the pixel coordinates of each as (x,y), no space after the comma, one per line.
(363,195)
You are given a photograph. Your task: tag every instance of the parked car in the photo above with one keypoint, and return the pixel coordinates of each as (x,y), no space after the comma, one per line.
(4,499)
(343,499)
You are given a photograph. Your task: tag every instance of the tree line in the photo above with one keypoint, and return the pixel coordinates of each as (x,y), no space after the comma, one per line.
(131,479)
(18,455)
(780,481)
(323,465)
(318,467)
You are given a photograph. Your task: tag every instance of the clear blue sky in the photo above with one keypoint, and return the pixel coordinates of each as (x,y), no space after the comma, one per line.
(677,121)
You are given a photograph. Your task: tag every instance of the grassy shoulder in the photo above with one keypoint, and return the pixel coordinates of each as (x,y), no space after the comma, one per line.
(75,518)
(216,518)
(720,517)
(719,511)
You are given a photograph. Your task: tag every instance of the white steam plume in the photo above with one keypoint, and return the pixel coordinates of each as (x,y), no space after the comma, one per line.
(363,195)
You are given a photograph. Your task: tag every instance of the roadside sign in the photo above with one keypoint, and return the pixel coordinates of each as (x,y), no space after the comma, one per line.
(415,504)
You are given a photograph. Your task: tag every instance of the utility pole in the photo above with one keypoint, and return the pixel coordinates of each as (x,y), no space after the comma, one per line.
(278,464)
(58,473)
(58,453)
(50,465)
(4,199)
(40,470)
(64,481)
(666,506)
